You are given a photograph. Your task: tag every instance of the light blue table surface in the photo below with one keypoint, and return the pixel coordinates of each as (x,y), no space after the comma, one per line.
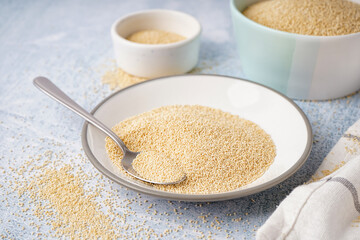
(69,42)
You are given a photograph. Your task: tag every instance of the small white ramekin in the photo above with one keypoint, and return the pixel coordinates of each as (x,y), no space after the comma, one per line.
(156,60)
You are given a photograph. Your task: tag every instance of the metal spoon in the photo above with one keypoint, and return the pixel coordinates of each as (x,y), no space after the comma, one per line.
(46,86)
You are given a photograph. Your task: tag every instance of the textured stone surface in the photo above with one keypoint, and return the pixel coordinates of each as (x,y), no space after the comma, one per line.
(69,42)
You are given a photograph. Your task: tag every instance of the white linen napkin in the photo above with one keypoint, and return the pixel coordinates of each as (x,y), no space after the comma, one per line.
(327,207)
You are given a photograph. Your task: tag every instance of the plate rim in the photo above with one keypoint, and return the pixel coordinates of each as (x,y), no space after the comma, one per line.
(235,194)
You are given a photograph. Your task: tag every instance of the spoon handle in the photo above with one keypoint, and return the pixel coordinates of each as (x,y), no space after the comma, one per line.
(50,89)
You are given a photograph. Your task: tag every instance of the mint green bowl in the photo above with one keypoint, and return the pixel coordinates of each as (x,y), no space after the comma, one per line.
(299,66)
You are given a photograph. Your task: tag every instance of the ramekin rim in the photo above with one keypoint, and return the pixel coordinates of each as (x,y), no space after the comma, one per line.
(123,40)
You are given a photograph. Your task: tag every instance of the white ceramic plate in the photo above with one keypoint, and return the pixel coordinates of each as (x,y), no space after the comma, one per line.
(278,115)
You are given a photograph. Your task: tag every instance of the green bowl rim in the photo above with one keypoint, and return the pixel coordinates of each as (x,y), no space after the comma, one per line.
(236,12)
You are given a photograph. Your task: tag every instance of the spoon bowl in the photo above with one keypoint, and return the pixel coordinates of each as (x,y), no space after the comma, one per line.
(50,89)
(127,164)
